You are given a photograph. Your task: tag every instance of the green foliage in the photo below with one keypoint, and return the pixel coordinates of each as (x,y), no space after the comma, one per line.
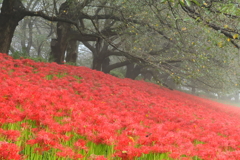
(18,55)
(58,75)
(117,74)
(78,78)
(71,63)
(38,59)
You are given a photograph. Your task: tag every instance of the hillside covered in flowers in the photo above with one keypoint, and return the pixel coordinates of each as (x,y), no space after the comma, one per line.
(66,112)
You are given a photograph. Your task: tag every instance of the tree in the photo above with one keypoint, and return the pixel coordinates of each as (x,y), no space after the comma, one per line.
(182,41)
(221,19)
(12,12)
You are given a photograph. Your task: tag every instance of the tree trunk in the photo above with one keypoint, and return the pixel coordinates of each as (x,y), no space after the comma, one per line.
(133,71)
(193,90)
(147,76)
(97,63)
(237,97)
(72,50)
(105,65)
(11,14)
(59,45)
(98,56)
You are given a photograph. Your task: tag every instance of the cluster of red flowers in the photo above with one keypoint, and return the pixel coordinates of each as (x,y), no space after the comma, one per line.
(135,116)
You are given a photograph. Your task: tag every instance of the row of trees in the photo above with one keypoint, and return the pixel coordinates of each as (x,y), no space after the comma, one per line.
(194,43)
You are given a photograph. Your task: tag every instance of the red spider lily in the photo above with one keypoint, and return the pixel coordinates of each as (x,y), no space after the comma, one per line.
(9,151)
(81,144)
(66,152)
(12,135)
(97,157)
(44,138)
(134,116)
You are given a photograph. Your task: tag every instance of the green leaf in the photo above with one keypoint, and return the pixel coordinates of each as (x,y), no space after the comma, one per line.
(188,2)
(182,3)
(196,2)
(163,1)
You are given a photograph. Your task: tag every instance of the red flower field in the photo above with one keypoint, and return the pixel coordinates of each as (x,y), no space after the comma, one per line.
(69,112)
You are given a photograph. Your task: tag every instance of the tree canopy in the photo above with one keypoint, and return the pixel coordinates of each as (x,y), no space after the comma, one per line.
(192,43)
